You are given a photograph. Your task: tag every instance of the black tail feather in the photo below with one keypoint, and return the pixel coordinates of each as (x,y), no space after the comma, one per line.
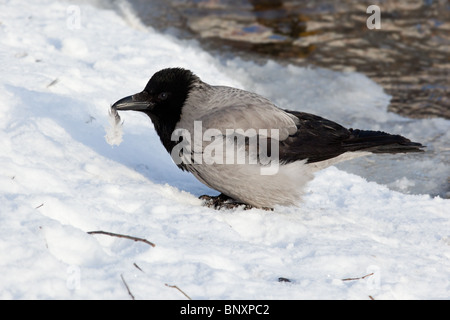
(380,142)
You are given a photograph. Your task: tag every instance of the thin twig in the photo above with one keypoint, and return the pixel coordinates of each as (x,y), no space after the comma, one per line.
(360,278)
(41,205)
(126,286)
(122,236)
(52,83)
(139,268)
(45,239)
(175,287)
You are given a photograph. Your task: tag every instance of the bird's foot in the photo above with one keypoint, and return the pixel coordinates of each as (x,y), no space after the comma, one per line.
(223,201)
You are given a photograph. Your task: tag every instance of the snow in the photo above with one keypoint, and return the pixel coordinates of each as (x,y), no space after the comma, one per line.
(65,63)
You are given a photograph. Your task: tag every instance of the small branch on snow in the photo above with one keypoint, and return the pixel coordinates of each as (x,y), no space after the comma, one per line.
(122,236)
(137,267)
(45,239)
(126,286)
(360,278)
(53,83)
(175,287)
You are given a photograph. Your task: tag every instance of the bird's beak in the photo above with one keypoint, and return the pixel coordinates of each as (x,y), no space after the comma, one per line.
(136,102)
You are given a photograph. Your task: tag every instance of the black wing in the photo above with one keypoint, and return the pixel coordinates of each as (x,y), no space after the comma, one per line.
(319,139)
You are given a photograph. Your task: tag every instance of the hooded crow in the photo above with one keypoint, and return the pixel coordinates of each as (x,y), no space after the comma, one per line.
(242,145)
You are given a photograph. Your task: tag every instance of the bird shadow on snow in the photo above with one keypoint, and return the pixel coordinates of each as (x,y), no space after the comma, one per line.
(143,153)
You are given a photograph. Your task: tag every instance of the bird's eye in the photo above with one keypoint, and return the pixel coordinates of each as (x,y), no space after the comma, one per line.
(163,96)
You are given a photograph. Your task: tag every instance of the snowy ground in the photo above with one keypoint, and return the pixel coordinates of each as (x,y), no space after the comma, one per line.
(59,179)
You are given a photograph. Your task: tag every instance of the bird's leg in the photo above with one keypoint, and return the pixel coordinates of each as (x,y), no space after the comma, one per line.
(222,201)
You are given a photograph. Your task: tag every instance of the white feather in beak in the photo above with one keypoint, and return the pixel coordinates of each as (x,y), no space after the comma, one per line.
(114,132)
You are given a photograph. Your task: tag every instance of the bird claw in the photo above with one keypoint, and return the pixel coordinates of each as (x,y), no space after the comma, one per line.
(225,202)
(222,202)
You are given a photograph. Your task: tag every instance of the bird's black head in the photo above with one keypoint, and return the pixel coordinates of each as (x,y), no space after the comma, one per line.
(162,99)
(163,96)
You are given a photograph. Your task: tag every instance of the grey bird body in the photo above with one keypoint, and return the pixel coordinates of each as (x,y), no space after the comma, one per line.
(290,145)
(223,108)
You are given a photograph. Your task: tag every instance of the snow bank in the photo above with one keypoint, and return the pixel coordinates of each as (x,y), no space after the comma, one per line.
(63,64)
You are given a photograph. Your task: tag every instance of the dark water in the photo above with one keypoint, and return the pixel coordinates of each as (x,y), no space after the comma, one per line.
(409,55)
